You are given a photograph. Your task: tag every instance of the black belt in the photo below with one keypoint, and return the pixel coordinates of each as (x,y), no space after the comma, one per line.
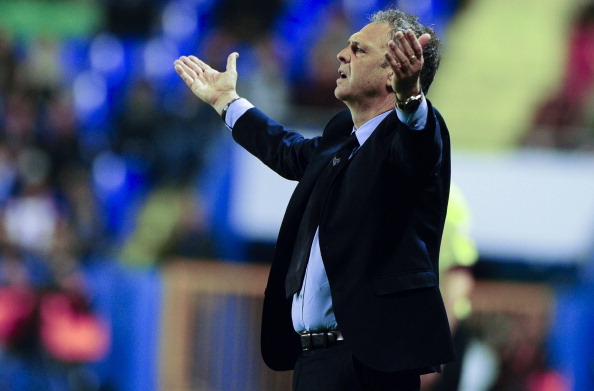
(320,339)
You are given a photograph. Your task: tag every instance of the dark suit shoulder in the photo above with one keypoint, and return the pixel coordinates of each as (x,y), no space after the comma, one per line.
(339,125)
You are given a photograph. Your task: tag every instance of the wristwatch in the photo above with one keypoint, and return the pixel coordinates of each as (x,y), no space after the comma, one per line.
(411,104)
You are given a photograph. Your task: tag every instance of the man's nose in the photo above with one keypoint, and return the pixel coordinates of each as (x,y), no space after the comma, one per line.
(341,56)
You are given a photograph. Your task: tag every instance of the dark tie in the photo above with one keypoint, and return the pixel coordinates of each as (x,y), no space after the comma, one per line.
(311,215)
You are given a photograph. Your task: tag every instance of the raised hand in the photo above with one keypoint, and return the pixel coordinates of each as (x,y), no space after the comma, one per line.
(211,86)
(406,61)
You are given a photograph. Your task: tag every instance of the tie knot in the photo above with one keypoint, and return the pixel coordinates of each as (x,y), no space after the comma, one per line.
(352,144)
(352,140)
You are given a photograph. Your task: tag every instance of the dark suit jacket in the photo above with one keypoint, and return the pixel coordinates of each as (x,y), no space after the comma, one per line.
(380,231)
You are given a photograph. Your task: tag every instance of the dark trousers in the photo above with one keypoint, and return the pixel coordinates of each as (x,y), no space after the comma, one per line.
(335,369)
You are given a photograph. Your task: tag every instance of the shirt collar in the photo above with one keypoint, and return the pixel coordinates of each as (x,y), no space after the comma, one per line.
(368,127)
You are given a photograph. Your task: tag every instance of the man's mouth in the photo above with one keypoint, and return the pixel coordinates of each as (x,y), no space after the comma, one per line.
(341,74)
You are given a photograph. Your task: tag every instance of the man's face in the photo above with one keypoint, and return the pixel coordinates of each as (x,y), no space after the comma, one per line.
(361,75)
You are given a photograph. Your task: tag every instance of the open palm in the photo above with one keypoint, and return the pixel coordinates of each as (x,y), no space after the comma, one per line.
(211,86)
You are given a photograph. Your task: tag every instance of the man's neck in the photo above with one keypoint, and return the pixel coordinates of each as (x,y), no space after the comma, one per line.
(371,108)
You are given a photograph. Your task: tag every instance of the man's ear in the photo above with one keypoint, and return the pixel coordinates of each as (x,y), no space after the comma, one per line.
(389,82)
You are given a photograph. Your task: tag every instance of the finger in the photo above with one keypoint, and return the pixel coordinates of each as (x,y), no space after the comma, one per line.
(203,66)
(176,65)
(392,59)
(184,76)
(404,39)
(193,76)
(397,52)
(193,65)
(424,40)
(190,69)
(232,62)
(415,44)
(182,69)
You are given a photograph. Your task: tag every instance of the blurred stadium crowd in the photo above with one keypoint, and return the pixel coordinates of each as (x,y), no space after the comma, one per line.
(105,157)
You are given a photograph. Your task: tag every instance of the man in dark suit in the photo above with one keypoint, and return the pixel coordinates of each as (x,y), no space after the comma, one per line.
(352,301)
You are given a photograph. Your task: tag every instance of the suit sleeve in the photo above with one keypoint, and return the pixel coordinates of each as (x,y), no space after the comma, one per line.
(418,152)
(285,152)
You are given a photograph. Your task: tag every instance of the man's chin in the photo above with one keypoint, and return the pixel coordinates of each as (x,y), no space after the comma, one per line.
(340,95)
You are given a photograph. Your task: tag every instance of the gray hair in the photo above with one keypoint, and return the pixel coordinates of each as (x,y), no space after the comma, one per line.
(401,21)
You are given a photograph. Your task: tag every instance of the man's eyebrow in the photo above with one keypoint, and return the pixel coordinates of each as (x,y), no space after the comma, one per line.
(354,42)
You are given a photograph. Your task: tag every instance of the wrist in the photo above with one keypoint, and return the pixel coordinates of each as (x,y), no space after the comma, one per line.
(222,101)
(410,104)
(402,96)
(224,112)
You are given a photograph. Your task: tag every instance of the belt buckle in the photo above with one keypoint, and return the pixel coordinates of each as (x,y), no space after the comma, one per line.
(320,339)
(306,342)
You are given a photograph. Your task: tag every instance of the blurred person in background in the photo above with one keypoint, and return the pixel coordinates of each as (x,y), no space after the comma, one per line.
(8,63)
(565,120)
(352,301)
(49,329)
(477,364)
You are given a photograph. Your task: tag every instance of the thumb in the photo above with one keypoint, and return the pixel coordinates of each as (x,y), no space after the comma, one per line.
(232,62)
(424,39)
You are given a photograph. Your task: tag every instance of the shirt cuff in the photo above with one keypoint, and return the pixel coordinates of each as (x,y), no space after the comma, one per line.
(417,119)
(236,110)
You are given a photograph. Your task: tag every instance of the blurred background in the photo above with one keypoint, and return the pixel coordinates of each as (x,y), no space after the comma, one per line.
(135,236)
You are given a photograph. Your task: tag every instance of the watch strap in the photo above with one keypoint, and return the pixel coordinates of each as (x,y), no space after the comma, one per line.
(411,104)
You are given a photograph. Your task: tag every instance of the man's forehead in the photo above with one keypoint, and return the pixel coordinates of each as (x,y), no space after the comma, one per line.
(373,33)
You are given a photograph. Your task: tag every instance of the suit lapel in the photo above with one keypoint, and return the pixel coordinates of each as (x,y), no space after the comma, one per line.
(334,134)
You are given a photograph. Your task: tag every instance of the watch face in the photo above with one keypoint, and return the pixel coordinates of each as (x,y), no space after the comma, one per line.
(411,104)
